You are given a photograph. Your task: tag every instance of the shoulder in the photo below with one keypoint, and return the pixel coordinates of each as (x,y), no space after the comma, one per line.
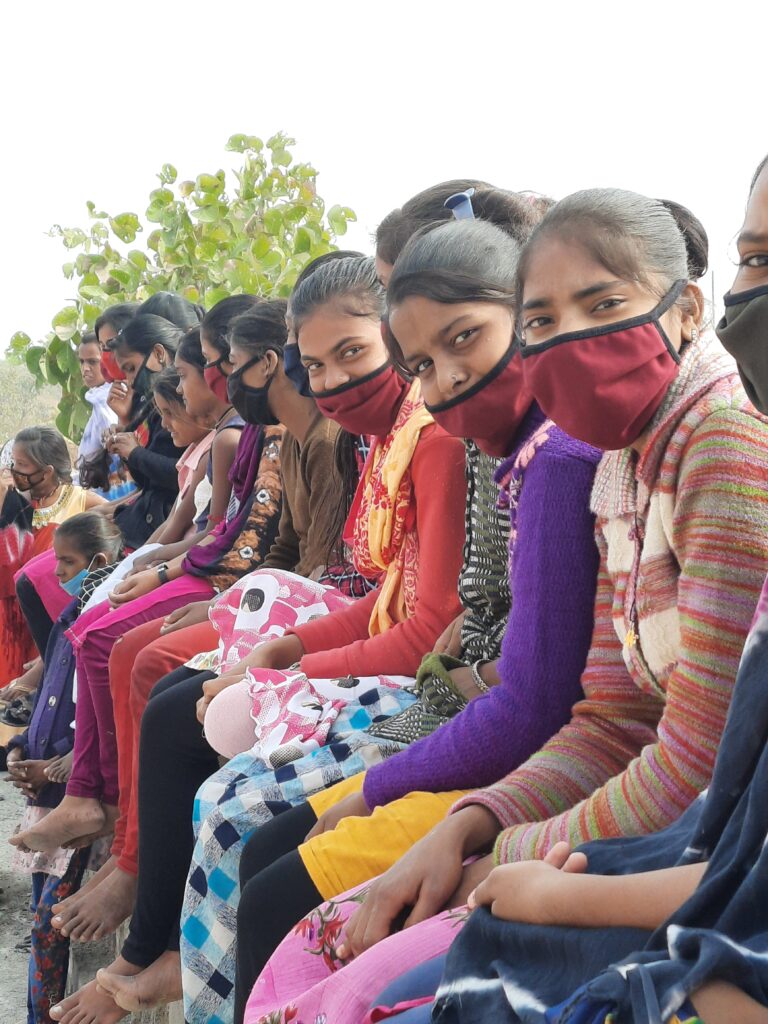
(723,429)
(436,451)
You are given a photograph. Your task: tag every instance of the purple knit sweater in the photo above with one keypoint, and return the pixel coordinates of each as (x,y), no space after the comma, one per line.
(553,570)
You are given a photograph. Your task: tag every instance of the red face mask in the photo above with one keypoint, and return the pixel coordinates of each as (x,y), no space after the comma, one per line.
(109,368)
(491,411)
(603,386)
(216,380)
(368,405)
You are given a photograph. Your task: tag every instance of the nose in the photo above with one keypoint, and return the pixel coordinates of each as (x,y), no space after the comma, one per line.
(335,377)
(450,380)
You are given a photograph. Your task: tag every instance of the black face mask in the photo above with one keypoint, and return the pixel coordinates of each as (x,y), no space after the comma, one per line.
(296,371)
(142,382)
(251,403)
(743,331)
(26,481)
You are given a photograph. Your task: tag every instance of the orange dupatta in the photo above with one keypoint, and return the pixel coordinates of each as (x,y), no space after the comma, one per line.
(381,540)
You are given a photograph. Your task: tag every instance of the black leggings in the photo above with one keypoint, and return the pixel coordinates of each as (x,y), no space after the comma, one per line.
(34,611)
(174,761)
(276,892)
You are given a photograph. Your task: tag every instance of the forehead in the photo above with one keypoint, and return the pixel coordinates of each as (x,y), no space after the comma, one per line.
(89,350)
(559,265)
(328,325)
(19,453)
(756,218)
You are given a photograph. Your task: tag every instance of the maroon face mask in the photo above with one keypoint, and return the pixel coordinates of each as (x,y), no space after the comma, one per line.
(216,379)
(110,371)
(491,411)
(603,386)
(368,405)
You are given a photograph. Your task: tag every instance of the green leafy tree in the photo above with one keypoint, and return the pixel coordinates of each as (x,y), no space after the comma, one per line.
(205,239)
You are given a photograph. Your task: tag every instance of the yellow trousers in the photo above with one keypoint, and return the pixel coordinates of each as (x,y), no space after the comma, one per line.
(359,849)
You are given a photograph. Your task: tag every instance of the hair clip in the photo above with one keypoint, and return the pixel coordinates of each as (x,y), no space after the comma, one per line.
(460,205)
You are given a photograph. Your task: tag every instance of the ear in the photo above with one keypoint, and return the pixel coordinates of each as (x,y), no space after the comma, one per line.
(100,560)
(692,309)
(160,355)
(271,364)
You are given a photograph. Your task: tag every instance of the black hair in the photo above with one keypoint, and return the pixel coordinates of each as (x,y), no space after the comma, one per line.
(695,238)
(47,447)
(116,317)
(146,330)
(190,350)
(166,385)
(350,282)
(517,213)
(217,321)
(261,328)
(88,338)
(176,308)
(327,257)
(93,534)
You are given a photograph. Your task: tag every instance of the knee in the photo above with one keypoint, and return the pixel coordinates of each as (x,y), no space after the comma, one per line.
(228,723)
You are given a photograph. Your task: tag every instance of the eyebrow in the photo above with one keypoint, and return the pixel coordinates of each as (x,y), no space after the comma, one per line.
(336,348)
(583,293)
(755,237)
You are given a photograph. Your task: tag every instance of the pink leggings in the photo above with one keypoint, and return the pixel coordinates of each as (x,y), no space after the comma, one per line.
(94,769)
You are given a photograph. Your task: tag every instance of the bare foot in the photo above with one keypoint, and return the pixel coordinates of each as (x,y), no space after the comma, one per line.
(74,817)
(157,985)
(89,1005)
(102,910)
(111,814)
(61,768)
(63,911)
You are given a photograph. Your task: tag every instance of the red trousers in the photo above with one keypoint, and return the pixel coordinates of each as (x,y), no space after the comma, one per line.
(139,659)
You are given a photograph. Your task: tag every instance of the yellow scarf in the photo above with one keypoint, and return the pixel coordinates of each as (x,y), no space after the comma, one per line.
(381,542)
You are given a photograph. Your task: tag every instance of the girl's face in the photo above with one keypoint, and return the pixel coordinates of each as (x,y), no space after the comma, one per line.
(567,290)
(89,357)
(197,396)
(212,355)
(131,362)
(70,561)
(450,347)
(28,475)
(753,240)
(177,421)
(337,347)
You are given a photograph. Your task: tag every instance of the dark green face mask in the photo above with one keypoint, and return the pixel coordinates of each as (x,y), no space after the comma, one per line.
(743,331)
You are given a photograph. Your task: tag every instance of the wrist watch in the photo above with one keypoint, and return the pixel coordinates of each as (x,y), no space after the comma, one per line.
(478,680)
(162,572)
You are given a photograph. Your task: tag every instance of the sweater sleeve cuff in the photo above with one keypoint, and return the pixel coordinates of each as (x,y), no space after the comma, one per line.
(312,635)
(492,800)
(504,847)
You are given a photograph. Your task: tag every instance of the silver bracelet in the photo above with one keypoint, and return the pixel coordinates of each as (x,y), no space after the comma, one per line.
(479,682)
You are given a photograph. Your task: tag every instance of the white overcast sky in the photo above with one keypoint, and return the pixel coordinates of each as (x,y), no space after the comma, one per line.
(667,98)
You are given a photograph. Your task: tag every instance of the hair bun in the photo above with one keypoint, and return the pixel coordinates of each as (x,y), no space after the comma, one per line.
(694,235)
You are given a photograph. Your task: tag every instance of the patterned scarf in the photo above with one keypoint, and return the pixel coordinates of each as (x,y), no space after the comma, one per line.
(383,540)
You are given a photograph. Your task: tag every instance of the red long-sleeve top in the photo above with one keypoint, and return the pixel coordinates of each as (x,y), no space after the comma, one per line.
(340,644)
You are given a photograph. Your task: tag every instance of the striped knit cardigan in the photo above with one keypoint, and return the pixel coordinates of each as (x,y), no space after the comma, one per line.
(683,536)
